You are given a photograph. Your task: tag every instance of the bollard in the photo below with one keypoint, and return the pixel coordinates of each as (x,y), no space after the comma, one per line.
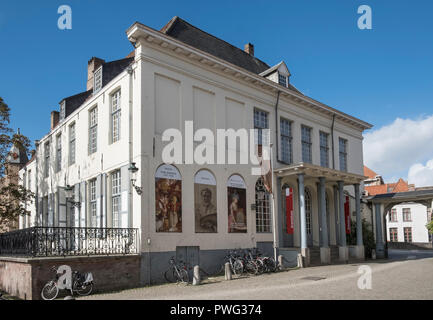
(300,261)
(280,262)
(228,271)
(196,277)
(373,254)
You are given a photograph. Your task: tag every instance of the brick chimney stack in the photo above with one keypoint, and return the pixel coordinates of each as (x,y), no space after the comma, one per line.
(249,48)
(54,119)
(93,64)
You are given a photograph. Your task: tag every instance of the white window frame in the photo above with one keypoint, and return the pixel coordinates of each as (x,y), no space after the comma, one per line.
(58,152)
(263,208)
(92,203)
(47,152)
(115,108)
(72,144)
(116,200)
(324,149)
(93,130)
(97,80)
(343,154)
(305,143)
(286,141)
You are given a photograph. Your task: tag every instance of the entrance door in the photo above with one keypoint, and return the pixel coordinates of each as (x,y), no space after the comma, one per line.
(309,217)
(287,225)
(191,256)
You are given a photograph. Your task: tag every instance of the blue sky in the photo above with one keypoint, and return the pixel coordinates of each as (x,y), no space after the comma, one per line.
(378,75)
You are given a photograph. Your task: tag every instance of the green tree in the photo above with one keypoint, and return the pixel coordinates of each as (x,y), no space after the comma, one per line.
(367,237)
(13,196)
(430,226)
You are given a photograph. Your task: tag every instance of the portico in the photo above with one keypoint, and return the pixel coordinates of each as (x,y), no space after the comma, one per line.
(313,219)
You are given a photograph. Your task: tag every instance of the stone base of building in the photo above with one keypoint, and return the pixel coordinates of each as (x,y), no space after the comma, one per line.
(343,254)
(25,277)
(325,255)
(359,252)
(305,252)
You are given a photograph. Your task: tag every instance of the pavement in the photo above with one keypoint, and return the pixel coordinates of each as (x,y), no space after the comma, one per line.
(407,274)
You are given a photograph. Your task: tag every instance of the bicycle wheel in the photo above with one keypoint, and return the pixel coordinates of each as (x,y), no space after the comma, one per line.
(261,267)
(183,276)
(237,267)
(270,265)
(251,268)
(82,289)
(50,291)
(170,275)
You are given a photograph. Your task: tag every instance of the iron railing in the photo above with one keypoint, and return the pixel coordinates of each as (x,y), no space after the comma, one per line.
(69,241)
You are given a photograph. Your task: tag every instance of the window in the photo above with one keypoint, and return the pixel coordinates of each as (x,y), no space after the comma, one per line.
(263,212)
(115,198)
(406,215)
(393,215)
(97,80)
(343,153)
(306,144)
(324,149)
(115,116)
(93,130)
(92,197)
(29,180)
(286,140)
(282,80)
(58,153)
(260,123)
(62,111)
(407,234)
(47,159)
(72,144)
(393,234)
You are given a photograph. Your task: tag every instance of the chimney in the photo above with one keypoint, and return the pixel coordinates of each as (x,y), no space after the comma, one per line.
(54,119)
(249,48)
(93,64)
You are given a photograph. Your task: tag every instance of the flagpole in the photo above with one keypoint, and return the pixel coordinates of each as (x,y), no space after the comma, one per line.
(274,220)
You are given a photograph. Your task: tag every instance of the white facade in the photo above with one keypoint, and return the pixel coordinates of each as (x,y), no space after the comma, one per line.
(170,83)
(417,223)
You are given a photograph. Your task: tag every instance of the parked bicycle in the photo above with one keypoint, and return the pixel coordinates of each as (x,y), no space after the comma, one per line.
(82,284)
(177,272)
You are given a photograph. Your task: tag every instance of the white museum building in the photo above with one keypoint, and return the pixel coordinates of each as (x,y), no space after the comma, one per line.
(100,167)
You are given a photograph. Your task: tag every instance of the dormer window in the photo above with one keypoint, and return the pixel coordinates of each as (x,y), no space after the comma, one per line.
(62,111)
(97,80)
(282,80)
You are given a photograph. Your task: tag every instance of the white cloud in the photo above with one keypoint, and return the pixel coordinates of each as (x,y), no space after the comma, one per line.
(392,149)
(420,175)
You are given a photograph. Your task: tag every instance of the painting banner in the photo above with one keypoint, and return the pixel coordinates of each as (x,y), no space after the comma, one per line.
(289,210)
(236,199)
(205,195)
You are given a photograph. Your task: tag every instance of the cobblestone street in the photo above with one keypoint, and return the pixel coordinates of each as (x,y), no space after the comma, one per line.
(406,275)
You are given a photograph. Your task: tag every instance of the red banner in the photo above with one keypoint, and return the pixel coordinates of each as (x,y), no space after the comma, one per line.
(347,214)
(289,210)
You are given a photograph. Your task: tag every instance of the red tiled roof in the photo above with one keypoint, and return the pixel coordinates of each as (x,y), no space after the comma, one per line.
(399,186)
(369,173)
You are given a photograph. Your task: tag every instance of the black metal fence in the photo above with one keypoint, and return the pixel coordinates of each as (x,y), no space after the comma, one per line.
(62,241)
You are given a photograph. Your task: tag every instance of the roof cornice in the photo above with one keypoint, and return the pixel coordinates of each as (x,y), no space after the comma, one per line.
(139,31)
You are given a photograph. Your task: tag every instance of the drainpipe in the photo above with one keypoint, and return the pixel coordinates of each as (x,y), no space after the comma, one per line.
(332,141)
(276,127)
(130,220)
